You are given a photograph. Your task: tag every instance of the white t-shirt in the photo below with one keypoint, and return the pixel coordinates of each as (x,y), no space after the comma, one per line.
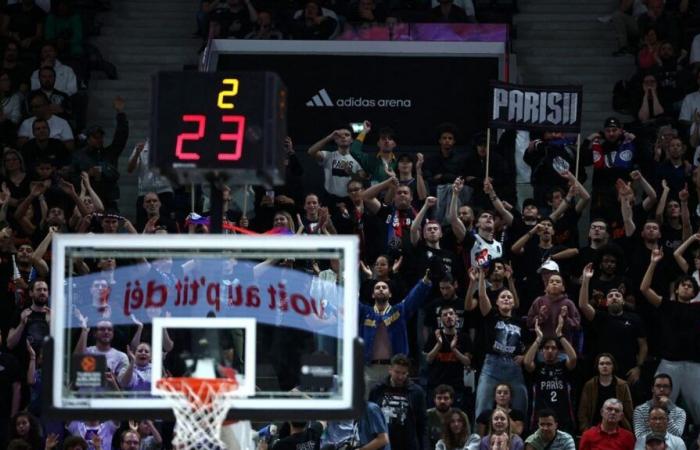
(105,430)
(691,103)
(65,79)
(116,361)
(58,129)
(336,167)
(483,250)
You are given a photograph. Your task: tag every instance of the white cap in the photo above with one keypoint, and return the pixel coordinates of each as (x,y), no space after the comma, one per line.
(549,265)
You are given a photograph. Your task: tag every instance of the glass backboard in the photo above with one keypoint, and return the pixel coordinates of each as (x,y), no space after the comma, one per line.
(279,312)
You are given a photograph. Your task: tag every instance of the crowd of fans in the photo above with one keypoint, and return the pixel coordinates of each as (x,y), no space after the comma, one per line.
(320,20)
(489,321)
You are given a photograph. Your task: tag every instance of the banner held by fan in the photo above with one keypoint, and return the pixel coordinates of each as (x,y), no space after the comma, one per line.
(544,108)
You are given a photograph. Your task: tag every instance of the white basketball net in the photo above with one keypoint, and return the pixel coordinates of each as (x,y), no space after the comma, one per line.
(200,412)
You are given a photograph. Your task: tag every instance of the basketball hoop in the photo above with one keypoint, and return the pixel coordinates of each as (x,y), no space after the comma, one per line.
(200,406)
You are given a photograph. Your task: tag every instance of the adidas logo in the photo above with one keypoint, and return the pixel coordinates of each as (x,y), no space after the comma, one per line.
(321,99)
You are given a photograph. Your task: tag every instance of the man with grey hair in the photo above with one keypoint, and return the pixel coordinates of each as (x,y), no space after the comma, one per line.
(608,434)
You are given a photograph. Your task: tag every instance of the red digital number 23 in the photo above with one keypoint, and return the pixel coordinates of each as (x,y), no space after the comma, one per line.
(201,122)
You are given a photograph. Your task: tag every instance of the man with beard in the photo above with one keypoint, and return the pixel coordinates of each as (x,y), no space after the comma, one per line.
(448,352)
(31,324)
(613,154)
(383,326)
(618,332)
(117,362)
(608,266)
(436,417)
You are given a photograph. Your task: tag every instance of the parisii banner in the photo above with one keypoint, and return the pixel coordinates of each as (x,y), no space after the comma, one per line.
(556,108)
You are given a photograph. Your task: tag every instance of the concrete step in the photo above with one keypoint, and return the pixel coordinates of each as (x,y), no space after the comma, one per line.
(570,7)
(563,51)
(146,30)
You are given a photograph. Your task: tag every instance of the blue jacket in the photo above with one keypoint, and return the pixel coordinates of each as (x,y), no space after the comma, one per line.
(395,318)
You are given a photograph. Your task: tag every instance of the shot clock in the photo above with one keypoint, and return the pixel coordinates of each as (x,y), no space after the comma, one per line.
(223,123)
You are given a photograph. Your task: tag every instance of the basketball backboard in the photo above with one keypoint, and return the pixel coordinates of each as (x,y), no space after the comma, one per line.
(279,310)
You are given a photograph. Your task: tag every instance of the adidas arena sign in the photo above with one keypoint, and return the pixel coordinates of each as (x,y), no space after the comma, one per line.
(323,100)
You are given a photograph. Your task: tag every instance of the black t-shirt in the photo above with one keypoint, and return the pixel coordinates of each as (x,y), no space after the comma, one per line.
(36,329)
(395,403)
(446,368)
(309,439)
(604,393)
(438,260)
(503,335)
(679,330)
(618,336)
(551,389)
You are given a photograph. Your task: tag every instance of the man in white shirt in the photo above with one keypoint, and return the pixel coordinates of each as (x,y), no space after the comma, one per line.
(66,80)
(339,165)
(40,107)
(690,105)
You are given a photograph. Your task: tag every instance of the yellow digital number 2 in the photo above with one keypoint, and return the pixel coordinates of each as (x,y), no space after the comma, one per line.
(233,82)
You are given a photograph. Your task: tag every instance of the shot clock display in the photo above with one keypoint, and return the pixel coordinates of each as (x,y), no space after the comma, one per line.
(231,123)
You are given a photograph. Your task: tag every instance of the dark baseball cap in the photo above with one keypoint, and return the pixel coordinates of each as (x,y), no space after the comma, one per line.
(612,122)
(655,437)
(95,129)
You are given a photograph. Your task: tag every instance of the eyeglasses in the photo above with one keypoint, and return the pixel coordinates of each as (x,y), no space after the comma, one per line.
(662,386)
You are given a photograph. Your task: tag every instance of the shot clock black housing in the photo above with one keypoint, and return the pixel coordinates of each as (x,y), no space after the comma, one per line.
(230,125)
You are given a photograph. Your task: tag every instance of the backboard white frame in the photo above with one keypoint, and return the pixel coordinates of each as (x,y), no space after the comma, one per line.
(246,383)
(349,245)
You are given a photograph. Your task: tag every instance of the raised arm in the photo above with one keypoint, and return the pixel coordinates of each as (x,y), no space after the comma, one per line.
(626,199)
(662,202)
(511,285)
(685,212)
(134,158)
(315,149)
(651,197)
(124,378)
(470,301)
(519,247)
(369,195)
(458,228)
(583,303)
(81,345)
(484,302)
(417,224)
(529,358)
(430,356)
(680,251)
(645,288)
(565,344)
(136,340)
(497,203)
(421,187)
